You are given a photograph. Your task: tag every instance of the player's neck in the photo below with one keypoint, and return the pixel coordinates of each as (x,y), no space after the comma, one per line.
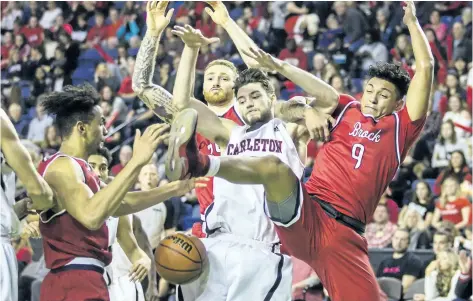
(221,109)
(71,148)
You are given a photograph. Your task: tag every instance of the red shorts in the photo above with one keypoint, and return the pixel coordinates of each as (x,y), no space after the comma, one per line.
(336,252)
(74,285)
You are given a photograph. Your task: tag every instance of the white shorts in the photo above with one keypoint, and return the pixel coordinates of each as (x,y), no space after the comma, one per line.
(122,289)
(9,273)
(240,271)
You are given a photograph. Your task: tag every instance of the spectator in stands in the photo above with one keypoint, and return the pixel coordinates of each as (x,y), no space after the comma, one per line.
(15,66)
(20,122)
(442,241)
(293,55)
(318,63)
(380,232)
(33,33)
(385,30)
(353,22)
(393,208)
(103,77)
(403,265)
(7,45)
(372,51)
(98,32)
(303,277)
(119,107)
(172,44)
(329,71)
(22,46)
(41,83)
(439,27)
(51,140)
(329,36)
(452,206)
(72,52)
(422,201)
(452,88)
(10,13)
(124,157)
(129,28)
(457,167)
(39,124)
(204,58)
(338,84)
(463,288)
(459,44)
(49,15)
(466,20)
(126,91)
(447,144)
(440,283)
(80,28)
(461,67)
(419,235)
(116,137)
(115,22)
(36,60)
(459,116)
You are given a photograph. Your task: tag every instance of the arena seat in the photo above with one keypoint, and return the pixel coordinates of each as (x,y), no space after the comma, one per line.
(416,288)
(377,255)
(392,287)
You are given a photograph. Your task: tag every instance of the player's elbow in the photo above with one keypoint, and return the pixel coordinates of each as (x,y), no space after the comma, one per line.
(92,222)
(426,64)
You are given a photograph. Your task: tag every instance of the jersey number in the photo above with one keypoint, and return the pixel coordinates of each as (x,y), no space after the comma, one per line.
(211,148)
(357,152)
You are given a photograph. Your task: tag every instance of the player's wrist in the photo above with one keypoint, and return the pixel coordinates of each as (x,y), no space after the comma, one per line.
(153,33)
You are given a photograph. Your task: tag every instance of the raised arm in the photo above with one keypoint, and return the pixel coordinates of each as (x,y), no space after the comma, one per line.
(155,97)
(242,41)
(417,99)
(20,161)
(91,210)
(326,97)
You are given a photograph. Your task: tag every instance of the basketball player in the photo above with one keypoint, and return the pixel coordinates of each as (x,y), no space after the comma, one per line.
(368,143)
(218,85)
(130,259)
(15,161)
(78,256)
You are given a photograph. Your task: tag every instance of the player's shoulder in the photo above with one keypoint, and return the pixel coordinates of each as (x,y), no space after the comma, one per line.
(233,115)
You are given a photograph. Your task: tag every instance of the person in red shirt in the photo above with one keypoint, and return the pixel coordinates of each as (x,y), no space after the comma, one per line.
(99,31)
(7,45)
(293,55)
(323,221)
(451,206)
(115,22)
(33,33)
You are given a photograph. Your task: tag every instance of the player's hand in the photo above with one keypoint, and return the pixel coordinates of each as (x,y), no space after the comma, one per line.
(219,14)
(409,12)
(318,124)
(464,261)
(265,60)
(140,269)
(184,186)
(31,230)
(156,17)
(146,144)
(152,293)
(193,38)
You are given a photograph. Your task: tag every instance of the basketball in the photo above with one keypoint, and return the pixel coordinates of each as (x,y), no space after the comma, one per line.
(180,259)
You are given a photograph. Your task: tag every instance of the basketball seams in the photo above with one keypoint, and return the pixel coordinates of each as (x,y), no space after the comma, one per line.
(178,252)
(174,270)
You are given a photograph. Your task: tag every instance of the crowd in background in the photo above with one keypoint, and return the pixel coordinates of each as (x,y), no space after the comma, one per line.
(48,45)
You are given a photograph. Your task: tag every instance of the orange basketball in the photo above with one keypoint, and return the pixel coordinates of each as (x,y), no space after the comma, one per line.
(180,259)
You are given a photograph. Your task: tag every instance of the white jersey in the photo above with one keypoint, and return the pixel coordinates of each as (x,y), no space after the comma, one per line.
(10,224)
(152,220)
(239,209)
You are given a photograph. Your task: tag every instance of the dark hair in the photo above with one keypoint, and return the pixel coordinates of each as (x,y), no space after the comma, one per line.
(254,75)
(450,167)
(73,104)
(392,73)
(454,134)
(414,195)
(104,152)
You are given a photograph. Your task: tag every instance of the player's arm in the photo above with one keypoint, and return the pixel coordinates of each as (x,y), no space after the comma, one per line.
(417,99)
(326,97)
(208,123)
(155,97)
(242,41)
(137,201)
(140,261)
(20,161)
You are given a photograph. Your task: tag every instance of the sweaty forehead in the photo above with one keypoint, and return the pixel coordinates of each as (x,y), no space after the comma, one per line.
(97,159)
(220,70)
(250,88)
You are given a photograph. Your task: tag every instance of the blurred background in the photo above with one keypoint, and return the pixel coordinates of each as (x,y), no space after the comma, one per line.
(48,45)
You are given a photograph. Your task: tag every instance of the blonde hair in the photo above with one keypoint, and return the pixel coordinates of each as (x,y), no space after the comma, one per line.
(444,277)
(222,63)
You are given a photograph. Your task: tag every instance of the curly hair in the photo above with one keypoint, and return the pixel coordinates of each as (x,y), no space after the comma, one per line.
(254,75)
(71,105)
(104,152)
(392,73)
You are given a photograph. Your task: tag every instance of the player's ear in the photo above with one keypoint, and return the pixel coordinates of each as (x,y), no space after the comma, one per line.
(399,105)
(80,127)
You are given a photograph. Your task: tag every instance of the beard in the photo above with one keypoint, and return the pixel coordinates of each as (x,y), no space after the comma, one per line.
(216,97)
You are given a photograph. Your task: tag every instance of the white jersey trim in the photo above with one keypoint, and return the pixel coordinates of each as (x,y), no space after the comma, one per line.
(53,216)
(398,148)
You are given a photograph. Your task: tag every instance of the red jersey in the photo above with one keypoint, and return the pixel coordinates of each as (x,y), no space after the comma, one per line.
(354,168)
(64,238)
(452,211)
(205,195)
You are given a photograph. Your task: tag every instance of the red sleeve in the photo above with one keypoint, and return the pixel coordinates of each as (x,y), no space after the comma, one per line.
(462,203)
(409,130)
(125,87)
(343,100)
